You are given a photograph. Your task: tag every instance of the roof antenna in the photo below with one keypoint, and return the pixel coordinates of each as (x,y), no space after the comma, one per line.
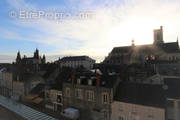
(177,39)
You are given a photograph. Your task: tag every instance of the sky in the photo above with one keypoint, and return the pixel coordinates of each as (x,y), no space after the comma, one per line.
(82,27)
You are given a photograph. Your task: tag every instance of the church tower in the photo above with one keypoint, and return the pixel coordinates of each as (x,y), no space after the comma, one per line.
(44,59)
(36,54)
(158,36)
(18,58)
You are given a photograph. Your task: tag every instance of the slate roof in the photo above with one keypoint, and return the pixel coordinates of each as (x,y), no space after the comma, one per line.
(74,58)
(171,47)
(172,69)
(122,49)
(173,90)
(142,94)
(106,81)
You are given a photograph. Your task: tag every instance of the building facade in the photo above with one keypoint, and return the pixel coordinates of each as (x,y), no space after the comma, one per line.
(6,83)
(53,99)
(76,62)
(36,59)
(92,96)
(129,111)
(18,90)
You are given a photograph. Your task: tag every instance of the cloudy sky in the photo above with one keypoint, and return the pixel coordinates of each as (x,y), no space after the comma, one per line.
(82,27)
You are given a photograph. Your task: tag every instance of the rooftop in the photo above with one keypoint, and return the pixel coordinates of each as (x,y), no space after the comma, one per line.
(75,58)
(142,94)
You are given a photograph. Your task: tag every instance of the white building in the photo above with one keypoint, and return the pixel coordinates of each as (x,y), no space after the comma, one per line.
(76,61)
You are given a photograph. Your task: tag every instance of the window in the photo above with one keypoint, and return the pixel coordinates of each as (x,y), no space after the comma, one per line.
(78,93)
(90,95)
(120,107)
(150,113)
(134,110)
(121,118)
(79,81)
(169,58)
(47,95)
(170,104)
(105,115)
(89,82)
(105,98)
(68,92)
(59,98)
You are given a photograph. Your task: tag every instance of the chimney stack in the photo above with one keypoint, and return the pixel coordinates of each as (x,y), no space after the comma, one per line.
(98,80)
(73,78)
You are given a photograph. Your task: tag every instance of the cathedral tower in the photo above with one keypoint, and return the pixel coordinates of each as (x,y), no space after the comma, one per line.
(36,54)
(158,36)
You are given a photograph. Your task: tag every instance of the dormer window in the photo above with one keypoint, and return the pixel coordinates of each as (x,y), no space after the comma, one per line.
(89,82)
(104,98)
(79,81)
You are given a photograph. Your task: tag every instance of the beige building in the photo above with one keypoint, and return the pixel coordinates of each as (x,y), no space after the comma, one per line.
(129,111)
(92,96)
(53,99)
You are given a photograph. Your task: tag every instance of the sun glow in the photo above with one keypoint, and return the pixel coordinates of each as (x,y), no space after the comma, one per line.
(139,30)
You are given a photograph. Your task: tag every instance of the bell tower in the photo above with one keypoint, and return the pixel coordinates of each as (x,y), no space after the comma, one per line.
(158,36)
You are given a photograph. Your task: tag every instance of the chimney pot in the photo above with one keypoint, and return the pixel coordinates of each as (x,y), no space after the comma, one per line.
(98,80)
(73,78)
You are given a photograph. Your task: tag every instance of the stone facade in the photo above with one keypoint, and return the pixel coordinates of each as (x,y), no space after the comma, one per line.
(92,101)
(129,111)
(6,83)
(53,99)
(18,90)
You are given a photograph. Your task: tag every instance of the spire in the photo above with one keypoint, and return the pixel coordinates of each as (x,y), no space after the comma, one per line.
(18,58)
(44,59)
(133,44)
(36,54)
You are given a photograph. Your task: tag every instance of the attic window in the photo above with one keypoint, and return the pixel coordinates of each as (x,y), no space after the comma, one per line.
(79,81)
(89,82)
(103,82)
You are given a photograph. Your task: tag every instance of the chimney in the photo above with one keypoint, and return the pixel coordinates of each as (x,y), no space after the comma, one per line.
(73,78)
(98,80)
(161,27)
